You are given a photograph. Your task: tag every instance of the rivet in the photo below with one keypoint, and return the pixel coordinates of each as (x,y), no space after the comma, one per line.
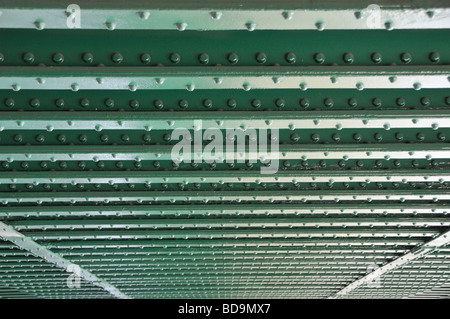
(175,58)
(376,102)
(203,58)
(190,87)
(9,102)
(319,58)
(207,103)
(132,86)
(117,57)
(417,86)
(232,103)
(88,57)
(246,86)
(425,101)
(359,86)
(110,25)
(58,58)
(287,15)
(406,57)
(216,15)
(250,26)
(2,57)
(39,24)
(181,26)
(144,15)
(420,136)
(109,103)
(290,57)
(233,58)
(303,86)
(35,103)
(145,58)
(75,87)
(320,25)
(304,102)
(328,102)
(401,101)
(256,103)
(40,138)
(434,57)
(28,57)
(158,104)
(348,58)
(352,102)
(261,57)
(376,57)
(295,137)
(280,103)
(84,102)
(183,104)
(134,104)
(389,25)
(315,137)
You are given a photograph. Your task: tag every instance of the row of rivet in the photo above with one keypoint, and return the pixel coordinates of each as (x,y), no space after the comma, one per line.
(295,137)
(233,58)
(286,164)
(231,103)
(197,186)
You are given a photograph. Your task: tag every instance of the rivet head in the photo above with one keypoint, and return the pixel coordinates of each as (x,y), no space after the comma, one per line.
(181,26)
(434,57)
(401,101)
(376,57)
(319,58)
(175,58)
(290,57)
(35,103)
(88,57)
(9,102)
(59,103)
(117,57)
(389,25)
(145,58)
(250,26)
(261,57)
(233,58)
(58,58)
(203,58)
(352,102)
(320,25)
(406,57)
(348,58)
(28,57)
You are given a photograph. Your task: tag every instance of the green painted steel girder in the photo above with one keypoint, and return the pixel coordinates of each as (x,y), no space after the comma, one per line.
(352,190)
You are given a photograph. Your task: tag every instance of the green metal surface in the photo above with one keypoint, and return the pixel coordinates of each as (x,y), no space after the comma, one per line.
(357,206)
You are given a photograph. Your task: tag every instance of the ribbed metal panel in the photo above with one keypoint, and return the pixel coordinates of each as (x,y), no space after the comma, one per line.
(361,185)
